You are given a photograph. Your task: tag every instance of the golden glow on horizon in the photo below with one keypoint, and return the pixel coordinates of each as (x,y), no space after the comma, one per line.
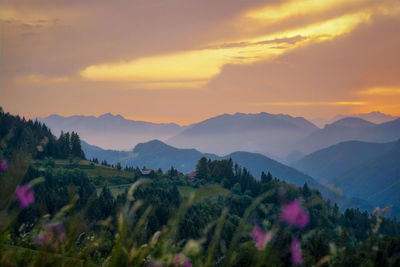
(204,64)
(381,91)
(321,103)
(295,7)
(392,109)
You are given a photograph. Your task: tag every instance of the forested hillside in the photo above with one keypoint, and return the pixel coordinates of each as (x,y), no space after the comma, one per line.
(35,138)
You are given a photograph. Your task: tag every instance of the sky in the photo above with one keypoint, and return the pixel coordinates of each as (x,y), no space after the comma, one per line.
(187,60)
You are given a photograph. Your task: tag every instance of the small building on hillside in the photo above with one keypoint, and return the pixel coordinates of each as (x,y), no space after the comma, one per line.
(192,176)
(145,172)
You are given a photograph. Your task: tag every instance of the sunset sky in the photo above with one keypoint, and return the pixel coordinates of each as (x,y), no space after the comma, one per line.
(186,60)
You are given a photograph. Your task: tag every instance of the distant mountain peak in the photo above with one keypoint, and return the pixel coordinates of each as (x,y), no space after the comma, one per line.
(352,122)
(54,116)
(109,115)
(374,116)
(151,146)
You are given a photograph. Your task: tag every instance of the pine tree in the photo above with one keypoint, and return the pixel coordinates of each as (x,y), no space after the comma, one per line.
(118,166)
(76,147)
(202,169)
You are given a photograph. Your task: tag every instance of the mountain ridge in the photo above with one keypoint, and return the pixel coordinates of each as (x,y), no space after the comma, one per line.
(111,131)
(366,170)
(348,129)
(376,117)
(268,134)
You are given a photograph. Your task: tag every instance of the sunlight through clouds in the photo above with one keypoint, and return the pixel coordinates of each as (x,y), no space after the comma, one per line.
(295,7)
(205,64)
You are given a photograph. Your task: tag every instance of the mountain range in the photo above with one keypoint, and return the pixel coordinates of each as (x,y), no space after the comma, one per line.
(278,136)
(111,131)
(268,134)
(375,117)
(348,129)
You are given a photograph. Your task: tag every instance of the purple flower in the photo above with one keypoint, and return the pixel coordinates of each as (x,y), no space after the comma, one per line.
(3,164)
(187,263)
(293,214)
(295,249)
(25,195)
(260,237)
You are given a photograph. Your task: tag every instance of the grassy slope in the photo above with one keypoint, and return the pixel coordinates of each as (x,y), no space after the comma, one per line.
(204,192)
(99,174)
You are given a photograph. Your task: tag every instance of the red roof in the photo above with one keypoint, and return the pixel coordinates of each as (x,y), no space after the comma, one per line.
(145,172)
(192,175)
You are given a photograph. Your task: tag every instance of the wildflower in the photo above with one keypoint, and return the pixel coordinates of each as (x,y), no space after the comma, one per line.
(295,249)
(179,259)
(155,264)
(260,237)
(3,164)
(25,195)
(52,235)
(294,215)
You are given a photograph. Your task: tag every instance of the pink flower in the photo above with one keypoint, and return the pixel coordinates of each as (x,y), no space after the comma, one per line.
(52,235)
(179,259)
(3,164)
(260,237)
(25,195)
(295,249)
(294,215)
(155,264)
